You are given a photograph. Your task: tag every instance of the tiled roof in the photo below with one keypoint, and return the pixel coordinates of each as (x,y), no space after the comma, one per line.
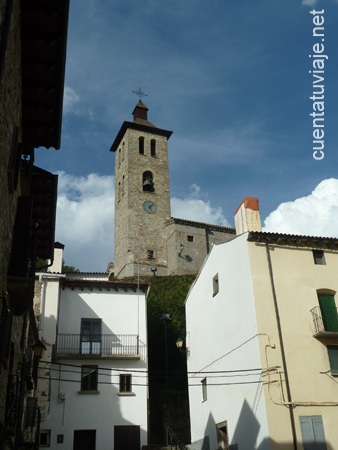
(192,223)
(293,240)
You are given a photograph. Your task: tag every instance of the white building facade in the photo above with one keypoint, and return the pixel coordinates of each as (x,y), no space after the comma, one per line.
(262,345)
(93,377)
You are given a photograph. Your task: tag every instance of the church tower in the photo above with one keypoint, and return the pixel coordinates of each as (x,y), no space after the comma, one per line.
(142,196)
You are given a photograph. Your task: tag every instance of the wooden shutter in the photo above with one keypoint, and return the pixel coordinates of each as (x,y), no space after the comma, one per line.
(312,433)
(329,312)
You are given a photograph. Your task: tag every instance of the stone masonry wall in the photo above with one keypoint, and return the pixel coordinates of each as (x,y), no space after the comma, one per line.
(10,116)
(135,230)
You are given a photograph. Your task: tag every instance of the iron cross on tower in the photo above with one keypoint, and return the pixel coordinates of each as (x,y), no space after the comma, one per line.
(140,93)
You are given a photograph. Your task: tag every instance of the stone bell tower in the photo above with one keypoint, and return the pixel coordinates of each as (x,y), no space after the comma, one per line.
(142,196)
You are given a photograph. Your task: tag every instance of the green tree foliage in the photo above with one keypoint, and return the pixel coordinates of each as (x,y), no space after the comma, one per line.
(68,269)
(168,402)
(167,295)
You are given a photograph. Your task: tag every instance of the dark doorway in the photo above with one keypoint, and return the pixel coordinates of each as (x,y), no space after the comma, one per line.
(127,437)
(84,439)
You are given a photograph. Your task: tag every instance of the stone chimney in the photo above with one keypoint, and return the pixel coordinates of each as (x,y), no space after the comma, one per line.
(56,267)
(247,216)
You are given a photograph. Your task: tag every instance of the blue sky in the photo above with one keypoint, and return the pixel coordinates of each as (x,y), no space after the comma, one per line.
(231,80)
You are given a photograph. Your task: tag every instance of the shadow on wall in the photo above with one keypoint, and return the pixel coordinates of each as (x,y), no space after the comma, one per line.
(105,418)
(245,436)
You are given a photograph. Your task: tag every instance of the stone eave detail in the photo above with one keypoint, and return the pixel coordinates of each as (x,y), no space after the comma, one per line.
(138,127)
(293,240)
(191,223)
(102,285)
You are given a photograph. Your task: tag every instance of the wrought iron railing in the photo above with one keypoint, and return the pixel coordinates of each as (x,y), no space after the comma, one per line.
(173,441)
(103,344)
(325,320)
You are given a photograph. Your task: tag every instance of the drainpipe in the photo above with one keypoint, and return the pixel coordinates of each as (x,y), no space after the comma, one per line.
(280,336)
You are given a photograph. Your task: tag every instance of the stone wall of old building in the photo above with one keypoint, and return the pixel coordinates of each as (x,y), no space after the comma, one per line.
(137,231)
(188,243)
(10,131)
(10,114)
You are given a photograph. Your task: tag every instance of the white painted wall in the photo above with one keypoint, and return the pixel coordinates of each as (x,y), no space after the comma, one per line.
(223,337)
(122,312)
(119,311)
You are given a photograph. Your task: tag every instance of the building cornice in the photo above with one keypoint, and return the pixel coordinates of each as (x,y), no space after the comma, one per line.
(138,127)
(293,240)
(73,283)
(192,223)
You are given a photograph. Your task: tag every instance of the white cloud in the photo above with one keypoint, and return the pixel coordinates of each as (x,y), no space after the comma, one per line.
(196,209)
(85,220)
(70,99)
(313,215)
(309,2)
(73,105)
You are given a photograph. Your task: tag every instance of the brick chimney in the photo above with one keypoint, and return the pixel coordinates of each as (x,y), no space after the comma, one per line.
(247,216)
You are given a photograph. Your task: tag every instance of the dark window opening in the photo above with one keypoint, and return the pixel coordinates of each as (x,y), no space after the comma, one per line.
(141,145)
(44,440)
(215,285)
(153,147)
(89,378)
(190,238)
(125,383)
(150,254)
(318,257)
(204,389)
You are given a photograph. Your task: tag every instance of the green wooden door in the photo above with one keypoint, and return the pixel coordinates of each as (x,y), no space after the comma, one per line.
(329,312)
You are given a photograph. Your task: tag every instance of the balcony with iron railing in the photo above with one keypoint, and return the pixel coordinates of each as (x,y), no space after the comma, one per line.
(325,321)
(99,346)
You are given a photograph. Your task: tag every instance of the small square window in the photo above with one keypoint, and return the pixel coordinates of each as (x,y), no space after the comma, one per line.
(318,257)
(89,375)
(204,389)
(125,383)
(59,439)
(333,358)
(44,439)
(190,238)
(215,285)
(150,254)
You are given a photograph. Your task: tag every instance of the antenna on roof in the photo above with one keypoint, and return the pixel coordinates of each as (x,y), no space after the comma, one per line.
(140,93)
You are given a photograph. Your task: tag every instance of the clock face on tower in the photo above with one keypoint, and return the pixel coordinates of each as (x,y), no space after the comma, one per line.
(149,207)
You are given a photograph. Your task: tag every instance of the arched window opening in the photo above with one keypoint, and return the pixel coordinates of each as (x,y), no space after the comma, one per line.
(141,145)
(148,181)
(153,147)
